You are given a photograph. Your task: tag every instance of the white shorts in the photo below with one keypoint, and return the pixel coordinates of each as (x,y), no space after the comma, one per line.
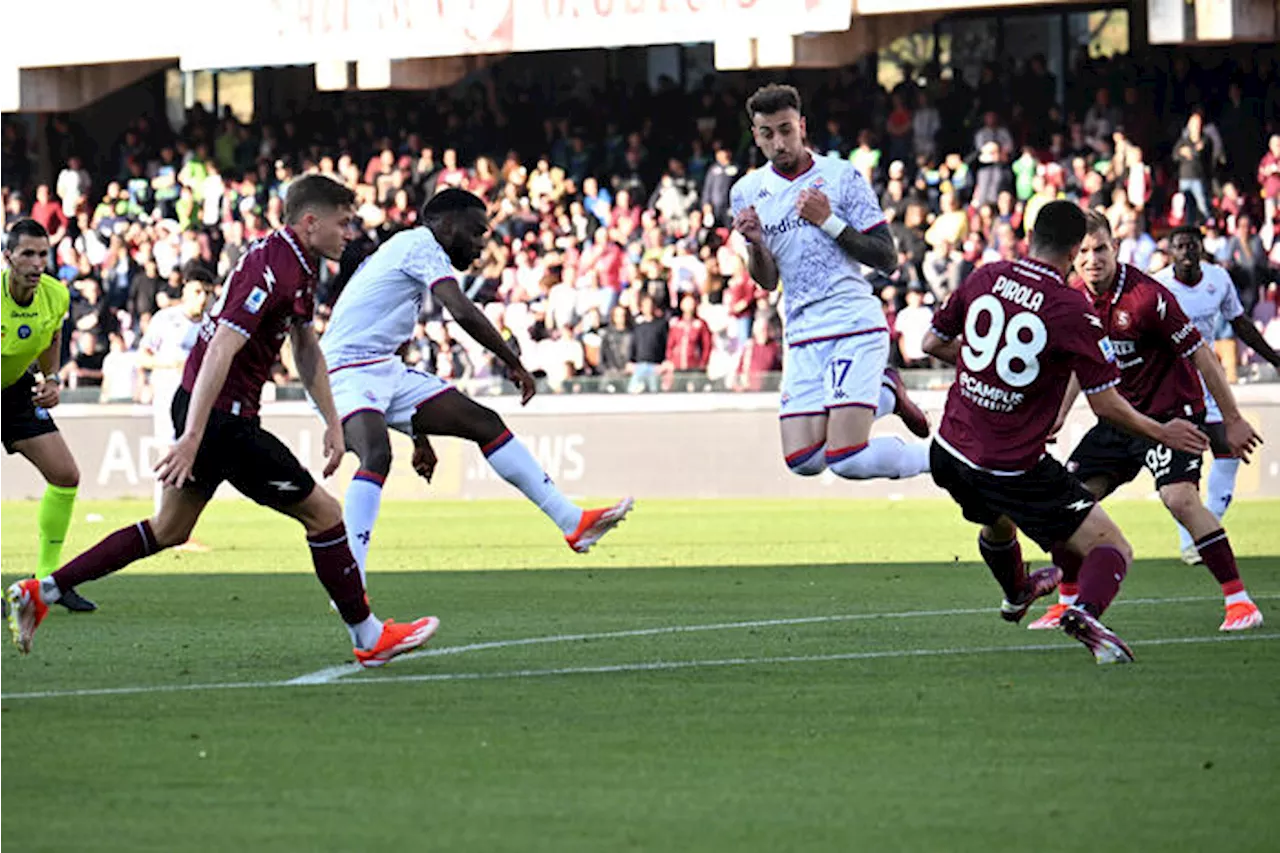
(387,386)
(1212,414)
(824,375)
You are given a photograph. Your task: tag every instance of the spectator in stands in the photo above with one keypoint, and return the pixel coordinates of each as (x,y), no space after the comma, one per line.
(911,324)
(688,339)
(648,347)
(73,187)
(1269,179)
(49,213)
(761,356)
(1246,260)
(1193,156)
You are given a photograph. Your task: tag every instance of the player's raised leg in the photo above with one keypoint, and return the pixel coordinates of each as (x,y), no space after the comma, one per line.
(52,458)
(1183,501)
(854,395)
(1001,551)
(454,414)
(367,436)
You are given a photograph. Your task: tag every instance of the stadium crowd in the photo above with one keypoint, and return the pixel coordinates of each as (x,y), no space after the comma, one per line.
(611,264)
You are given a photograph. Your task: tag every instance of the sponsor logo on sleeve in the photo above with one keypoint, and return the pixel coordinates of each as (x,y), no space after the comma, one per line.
(254,301)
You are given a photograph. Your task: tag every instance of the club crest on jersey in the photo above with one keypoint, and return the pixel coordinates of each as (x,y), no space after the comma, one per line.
(24,332)
(253,302)
(1122,319)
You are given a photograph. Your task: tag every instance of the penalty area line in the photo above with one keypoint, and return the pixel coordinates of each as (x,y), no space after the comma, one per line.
(333,673)
(651,666)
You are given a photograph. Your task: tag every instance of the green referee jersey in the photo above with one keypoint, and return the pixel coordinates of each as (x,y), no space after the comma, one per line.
(28,329)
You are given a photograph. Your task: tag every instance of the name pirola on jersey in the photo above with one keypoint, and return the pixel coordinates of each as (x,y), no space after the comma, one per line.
(825,293)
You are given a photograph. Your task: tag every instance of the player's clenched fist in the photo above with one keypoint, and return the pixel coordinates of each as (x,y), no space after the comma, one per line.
(747,223)
(814,206)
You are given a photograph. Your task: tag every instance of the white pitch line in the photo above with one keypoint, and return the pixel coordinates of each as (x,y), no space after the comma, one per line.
(333,673)
(653,666)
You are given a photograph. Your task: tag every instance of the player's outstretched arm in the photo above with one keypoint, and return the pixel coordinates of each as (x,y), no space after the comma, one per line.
(1068,400)
(1176,434)
(477,325)
(175,468)
(1240,435)
(1247,332)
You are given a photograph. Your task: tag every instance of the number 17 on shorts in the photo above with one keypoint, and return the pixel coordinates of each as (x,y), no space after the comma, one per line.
(855,370)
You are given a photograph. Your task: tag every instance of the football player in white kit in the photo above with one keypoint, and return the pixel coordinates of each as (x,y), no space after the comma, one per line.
(1208,296)
(170,336)
(374,389)
(812,222)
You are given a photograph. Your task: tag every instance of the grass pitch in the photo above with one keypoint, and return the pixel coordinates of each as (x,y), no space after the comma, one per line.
(846,685)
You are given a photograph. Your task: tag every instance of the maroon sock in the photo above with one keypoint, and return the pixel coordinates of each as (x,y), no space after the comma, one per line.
(1100,575)
(1219,559)
(1005,561)
(1068,561)
(110,555)
(339,572)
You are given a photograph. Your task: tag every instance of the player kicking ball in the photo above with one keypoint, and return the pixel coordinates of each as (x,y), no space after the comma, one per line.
(374,389)
(34,307)
(1159,352)
(1016,333)
(270,295)
(811,223)
(1208,296)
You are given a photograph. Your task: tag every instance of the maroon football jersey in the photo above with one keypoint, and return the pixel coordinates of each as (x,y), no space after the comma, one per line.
(1153,340)
(1024,332)
(272,288)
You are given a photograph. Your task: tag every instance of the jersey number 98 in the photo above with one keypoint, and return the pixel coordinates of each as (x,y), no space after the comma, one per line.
(1013,344)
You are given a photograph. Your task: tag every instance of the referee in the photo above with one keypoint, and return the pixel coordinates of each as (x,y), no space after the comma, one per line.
(34,306)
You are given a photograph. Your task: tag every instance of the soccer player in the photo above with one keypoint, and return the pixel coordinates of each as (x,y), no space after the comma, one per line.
(170,337)
(374,389)
(811,222)
(1208,296)
(1158,351)
(34,306)
(1016,332)
(270,295)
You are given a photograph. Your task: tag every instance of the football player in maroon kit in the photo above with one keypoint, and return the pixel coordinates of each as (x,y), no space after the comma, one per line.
(1016,333)
(269,296)
(1158,350)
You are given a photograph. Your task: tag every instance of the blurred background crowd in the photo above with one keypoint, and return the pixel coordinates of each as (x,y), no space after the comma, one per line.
(611,265)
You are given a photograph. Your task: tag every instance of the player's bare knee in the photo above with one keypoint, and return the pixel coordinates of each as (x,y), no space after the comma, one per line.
(1183,501)
(65,474)
(485,425)
(170,530)
(376,457)
(319,512)
(1001,530)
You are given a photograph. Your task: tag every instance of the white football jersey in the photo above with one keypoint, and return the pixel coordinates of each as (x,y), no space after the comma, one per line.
(380,305)
(1214,296)
(826,294)
(170,338)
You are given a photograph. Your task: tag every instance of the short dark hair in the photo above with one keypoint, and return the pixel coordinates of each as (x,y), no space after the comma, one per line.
(24,228)
(1096,223)
(1192,230)
(451,200)
(315,191)
(1060,226)
(196,271)
(773,98)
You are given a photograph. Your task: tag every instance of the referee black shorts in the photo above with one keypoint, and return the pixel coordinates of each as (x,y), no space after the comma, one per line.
(21,419)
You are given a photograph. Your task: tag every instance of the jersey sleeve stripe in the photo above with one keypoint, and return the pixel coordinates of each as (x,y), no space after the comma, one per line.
(874,226)
(939,335)
(1098,389)
(231,325)
(1193,349)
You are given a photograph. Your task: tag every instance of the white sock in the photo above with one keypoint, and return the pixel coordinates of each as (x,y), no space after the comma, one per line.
(888,401)
(514,463)
(364,635)
(359,512)
(1067,599)
(884,457)
(49,591)
(1222,485)
(1237,598)
(1184,538)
